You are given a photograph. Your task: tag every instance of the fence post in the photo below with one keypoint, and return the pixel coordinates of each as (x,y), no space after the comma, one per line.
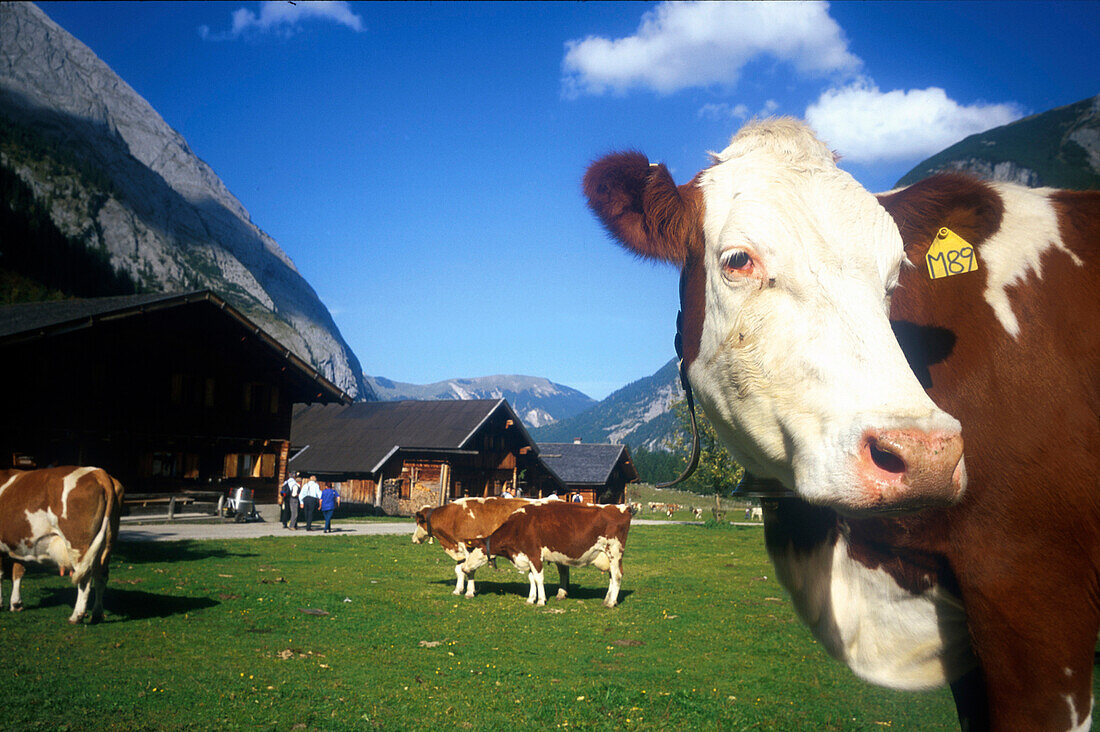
(171,508)
(221,507)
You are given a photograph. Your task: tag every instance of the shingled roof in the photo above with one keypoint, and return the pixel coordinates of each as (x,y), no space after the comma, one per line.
(30,321)
(583,463)
(361,437)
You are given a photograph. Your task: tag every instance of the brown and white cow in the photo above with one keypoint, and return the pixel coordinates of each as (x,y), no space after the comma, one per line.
(830,362)
(455,524)
(570,534)
(67,516)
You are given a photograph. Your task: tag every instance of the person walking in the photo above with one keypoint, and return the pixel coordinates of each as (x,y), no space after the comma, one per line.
(330,499)
(311,498)
(288,501)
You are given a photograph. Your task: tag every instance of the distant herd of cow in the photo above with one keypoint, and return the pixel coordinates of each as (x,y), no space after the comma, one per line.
(829,364)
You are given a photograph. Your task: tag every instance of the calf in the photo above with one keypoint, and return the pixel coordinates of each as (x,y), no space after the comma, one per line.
(67,516)
(455,524)
(842,353)
(575,535)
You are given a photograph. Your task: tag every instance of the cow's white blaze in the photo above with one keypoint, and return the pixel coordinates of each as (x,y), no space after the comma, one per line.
(1029,227)
(884,633)
(797,362)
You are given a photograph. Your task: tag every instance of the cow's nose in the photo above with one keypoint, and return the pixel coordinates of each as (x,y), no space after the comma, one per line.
(911,469)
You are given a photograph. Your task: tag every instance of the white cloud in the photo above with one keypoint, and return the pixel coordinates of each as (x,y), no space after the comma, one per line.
(723,111)
(284,18)
(683,45)
(864,124)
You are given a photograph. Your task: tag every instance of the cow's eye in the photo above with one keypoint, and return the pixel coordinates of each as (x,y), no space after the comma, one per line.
(737,261)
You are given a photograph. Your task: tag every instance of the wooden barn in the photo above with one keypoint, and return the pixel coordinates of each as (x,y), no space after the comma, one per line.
(403,455)
(599,473)
(167,392)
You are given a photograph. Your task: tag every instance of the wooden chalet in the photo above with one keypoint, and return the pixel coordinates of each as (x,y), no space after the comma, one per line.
(401,456)
(599,473)
(167,392)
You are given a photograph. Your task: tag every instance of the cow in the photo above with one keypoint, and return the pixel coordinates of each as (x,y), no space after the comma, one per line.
(570,534)
(837,370)
(455,524)
(68,516)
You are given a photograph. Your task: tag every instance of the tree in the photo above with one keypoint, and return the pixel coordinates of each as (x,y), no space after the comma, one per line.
(718,472)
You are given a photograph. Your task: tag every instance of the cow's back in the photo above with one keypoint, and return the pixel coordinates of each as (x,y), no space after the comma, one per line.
(569,529)
(66,514)
(472,518)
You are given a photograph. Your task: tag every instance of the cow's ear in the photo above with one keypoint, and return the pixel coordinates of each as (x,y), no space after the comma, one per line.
(642,207)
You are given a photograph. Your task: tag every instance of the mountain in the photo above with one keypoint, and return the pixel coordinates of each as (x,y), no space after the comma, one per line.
(1058,148)
(638,415)
(537,401)
(113,177)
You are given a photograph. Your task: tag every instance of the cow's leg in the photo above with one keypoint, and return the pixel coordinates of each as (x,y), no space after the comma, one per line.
(99,586)
(83,589)
(615,560)
(538,589)
(533,594)
(460,581)
(563,581)
(17,571)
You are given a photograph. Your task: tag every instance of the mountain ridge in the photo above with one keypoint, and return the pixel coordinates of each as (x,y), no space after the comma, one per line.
(1059,148)
(537,400)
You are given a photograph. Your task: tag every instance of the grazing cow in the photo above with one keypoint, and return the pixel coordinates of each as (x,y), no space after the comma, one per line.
(571,534)
(455,524)
(68,516)
(756,514)
(833,365)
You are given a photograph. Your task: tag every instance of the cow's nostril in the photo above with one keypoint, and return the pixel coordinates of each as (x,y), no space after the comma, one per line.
(884,459)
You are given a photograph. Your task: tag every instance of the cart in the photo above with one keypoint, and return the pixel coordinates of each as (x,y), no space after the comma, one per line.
(241,505)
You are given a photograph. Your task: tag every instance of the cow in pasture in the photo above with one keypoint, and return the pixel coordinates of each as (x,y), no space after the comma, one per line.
(834,366)
(67,516)
(756,513)
(455,524)
(570,534)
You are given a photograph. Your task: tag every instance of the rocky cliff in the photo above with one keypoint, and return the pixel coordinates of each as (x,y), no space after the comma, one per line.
(115,176)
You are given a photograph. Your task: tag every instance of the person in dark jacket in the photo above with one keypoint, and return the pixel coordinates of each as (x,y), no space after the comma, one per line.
(330,499)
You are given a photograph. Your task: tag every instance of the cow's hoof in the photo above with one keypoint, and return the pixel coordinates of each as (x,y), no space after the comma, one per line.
(17,607)
(469,595)
(76,621)
(562,594)
(96,619)
(530,602)
(457,592)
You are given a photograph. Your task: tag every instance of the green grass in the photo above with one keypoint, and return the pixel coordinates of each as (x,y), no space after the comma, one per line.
(212,635)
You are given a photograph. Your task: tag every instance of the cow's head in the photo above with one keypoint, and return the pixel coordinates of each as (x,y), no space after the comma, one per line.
(423,530)
(788,266)
(477,556)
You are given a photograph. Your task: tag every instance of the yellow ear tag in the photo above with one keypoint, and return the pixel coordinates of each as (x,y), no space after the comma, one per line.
(950,255)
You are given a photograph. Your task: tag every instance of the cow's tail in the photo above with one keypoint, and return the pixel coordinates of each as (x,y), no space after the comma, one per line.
(98,555)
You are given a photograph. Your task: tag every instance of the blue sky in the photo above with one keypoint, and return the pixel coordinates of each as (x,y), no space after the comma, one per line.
(421,162)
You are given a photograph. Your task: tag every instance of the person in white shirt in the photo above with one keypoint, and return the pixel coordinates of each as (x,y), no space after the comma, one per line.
(311,500)
(288,500)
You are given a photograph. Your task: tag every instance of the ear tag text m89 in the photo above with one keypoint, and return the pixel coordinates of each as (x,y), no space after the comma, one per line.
(949,255)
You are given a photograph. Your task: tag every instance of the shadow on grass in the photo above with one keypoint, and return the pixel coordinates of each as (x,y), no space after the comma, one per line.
(127,604)
(576,592)
(143,552)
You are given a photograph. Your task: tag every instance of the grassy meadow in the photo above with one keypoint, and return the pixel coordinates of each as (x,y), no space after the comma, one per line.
(345,632)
